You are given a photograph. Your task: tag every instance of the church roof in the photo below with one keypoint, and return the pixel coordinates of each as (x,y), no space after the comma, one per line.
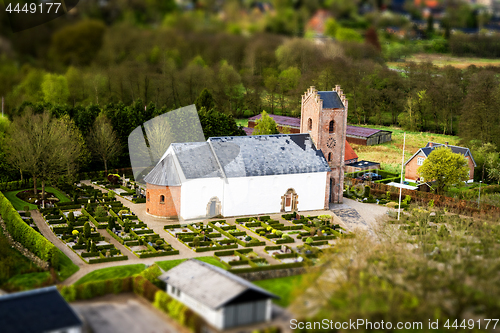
(243,156)
(349,154)
(331,100)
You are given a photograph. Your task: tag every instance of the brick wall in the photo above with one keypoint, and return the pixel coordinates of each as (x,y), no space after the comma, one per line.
(167,208)
(411,168)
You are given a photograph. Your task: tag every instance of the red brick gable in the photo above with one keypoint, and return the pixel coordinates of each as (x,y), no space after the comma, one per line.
(350,154)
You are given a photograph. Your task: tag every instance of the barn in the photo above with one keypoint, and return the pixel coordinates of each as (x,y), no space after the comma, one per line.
(367,136)
(240,175)
(223,299)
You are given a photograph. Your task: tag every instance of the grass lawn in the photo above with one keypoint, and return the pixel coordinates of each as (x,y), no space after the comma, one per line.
(112,272)
(281,287)
(169,264)
(28,281)
(67,267)
(389,153)
(441,60)
(19,204)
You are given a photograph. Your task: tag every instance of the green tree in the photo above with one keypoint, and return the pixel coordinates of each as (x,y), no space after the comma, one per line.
(265,125)
(205,100)
(79,43)
(444,167)
(55,88)
(216,123)
(86,230)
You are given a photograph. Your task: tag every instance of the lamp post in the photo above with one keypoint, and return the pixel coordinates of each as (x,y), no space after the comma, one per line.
(479,198)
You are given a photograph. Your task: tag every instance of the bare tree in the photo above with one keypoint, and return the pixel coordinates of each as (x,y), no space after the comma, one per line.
(103,141)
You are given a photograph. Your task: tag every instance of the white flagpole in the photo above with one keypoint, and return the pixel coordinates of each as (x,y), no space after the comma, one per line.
(401,183)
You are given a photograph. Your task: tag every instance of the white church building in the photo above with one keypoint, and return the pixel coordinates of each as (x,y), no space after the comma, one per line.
(250,175)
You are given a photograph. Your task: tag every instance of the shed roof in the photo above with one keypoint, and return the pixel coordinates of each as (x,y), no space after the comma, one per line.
(349,153)
(331,100)
(362,131)
(280,120)
(208,284)
(38,310)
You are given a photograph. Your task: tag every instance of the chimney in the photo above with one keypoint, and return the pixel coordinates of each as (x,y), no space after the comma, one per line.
(430,144)
(446,143)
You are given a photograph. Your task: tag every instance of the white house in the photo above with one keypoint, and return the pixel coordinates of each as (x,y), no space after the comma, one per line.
(39,310)
(242,175)
(223,299)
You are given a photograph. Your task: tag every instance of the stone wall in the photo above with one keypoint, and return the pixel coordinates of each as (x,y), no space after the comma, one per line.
(18,246)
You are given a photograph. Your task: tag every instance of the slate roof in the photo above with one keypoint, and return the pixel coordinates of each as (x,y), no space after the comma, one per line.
(244,156)
(361,131)
(208,284)
(38,310)
(164,173)
(331,100)
(280,120)
(456,149)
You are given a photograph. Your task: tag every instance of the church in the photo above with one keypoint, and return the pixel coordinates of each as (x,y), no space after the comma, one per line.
(261,174)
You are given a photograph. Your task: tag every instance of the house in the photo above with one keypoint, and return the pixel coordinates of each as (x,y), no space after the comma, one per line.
(223,299)
(263,174)
(367,136)
(419,157)
(39,310)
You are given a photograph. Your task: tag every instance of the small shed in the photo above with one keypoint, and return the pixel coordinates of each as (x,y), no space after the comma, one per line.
(39,310)
(361,166)
(367,136)
(223,299)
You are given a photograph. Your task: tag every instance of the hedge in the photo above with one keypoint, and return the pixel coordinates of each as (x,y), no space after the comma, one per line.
(139,200)
(24,234)
(97,261)
(246,219)
(157,254)
(213,248)
(233,238)
(266,268)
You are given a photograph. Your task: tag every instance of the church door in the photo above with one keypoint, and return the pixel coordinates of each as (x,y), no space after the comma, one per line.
(212,207)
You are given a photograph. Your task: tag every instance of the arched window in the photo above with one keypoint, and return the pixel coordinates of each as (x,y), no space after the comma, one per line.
(309,124)
(331,126)
(329,157)
(162,199)
(147,194)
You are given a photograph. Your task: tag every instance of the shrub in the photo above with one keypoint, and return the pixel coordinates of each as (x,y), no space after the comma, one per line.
(309,240)
(279,232)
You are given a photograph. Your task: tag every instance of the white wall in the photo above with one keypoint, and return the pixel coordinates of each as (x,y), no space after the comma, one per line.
(213,317)
(252,195)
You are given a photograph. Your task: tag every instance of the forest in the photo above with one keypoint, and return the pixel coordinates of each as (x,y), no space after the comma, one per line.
(132,61)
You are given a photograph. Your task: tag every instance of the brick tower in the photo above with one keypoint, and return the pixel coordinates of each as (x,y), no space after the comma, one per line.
(324,117)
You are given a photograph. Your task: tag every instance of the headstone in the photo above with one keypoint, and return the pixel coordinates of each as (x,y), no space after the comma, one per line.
(283,248)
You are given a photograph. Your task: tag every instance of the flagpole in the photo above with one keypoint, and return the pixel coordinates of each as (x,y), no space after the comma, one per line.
(401,181)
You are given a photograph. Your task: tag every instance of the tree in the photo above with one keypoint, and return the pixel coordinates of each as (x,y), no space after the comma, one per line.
(86,230)
(55,88)
(265,125)
(43,146)
(372,38)
(103,141)
(444,167)
(205,99)
(215,123)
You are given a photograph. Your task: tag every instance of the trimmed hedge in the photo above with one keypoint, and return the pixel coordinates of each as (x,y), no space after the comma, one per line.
(157,254)
(266,268)
(97,261)
(24,234)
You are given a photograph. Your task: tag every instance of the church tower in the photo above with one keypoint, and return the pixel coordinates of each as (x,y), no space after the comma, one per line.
(324,117)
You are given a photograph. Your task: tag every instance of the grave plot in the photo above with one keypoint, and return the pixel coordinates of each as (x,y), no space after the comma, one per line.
(201,238)
(124,187)
(232,232)
(135,235)
(79,236)
(285,254)
(241,258)
(317,230)
(26,217)
(273,231)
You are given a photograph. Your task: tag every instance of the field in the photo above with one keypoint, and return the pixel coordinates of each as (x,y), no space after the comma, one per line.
(19,204)
(442,60)
(281,287)
(389,154)
(111,273)
(242,122)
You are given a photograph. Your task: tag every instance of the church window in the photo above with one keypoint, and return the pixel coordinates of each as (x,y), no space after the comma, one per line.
(309,124)
(162,199)
(329,157)
(148,195)
(331,126)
